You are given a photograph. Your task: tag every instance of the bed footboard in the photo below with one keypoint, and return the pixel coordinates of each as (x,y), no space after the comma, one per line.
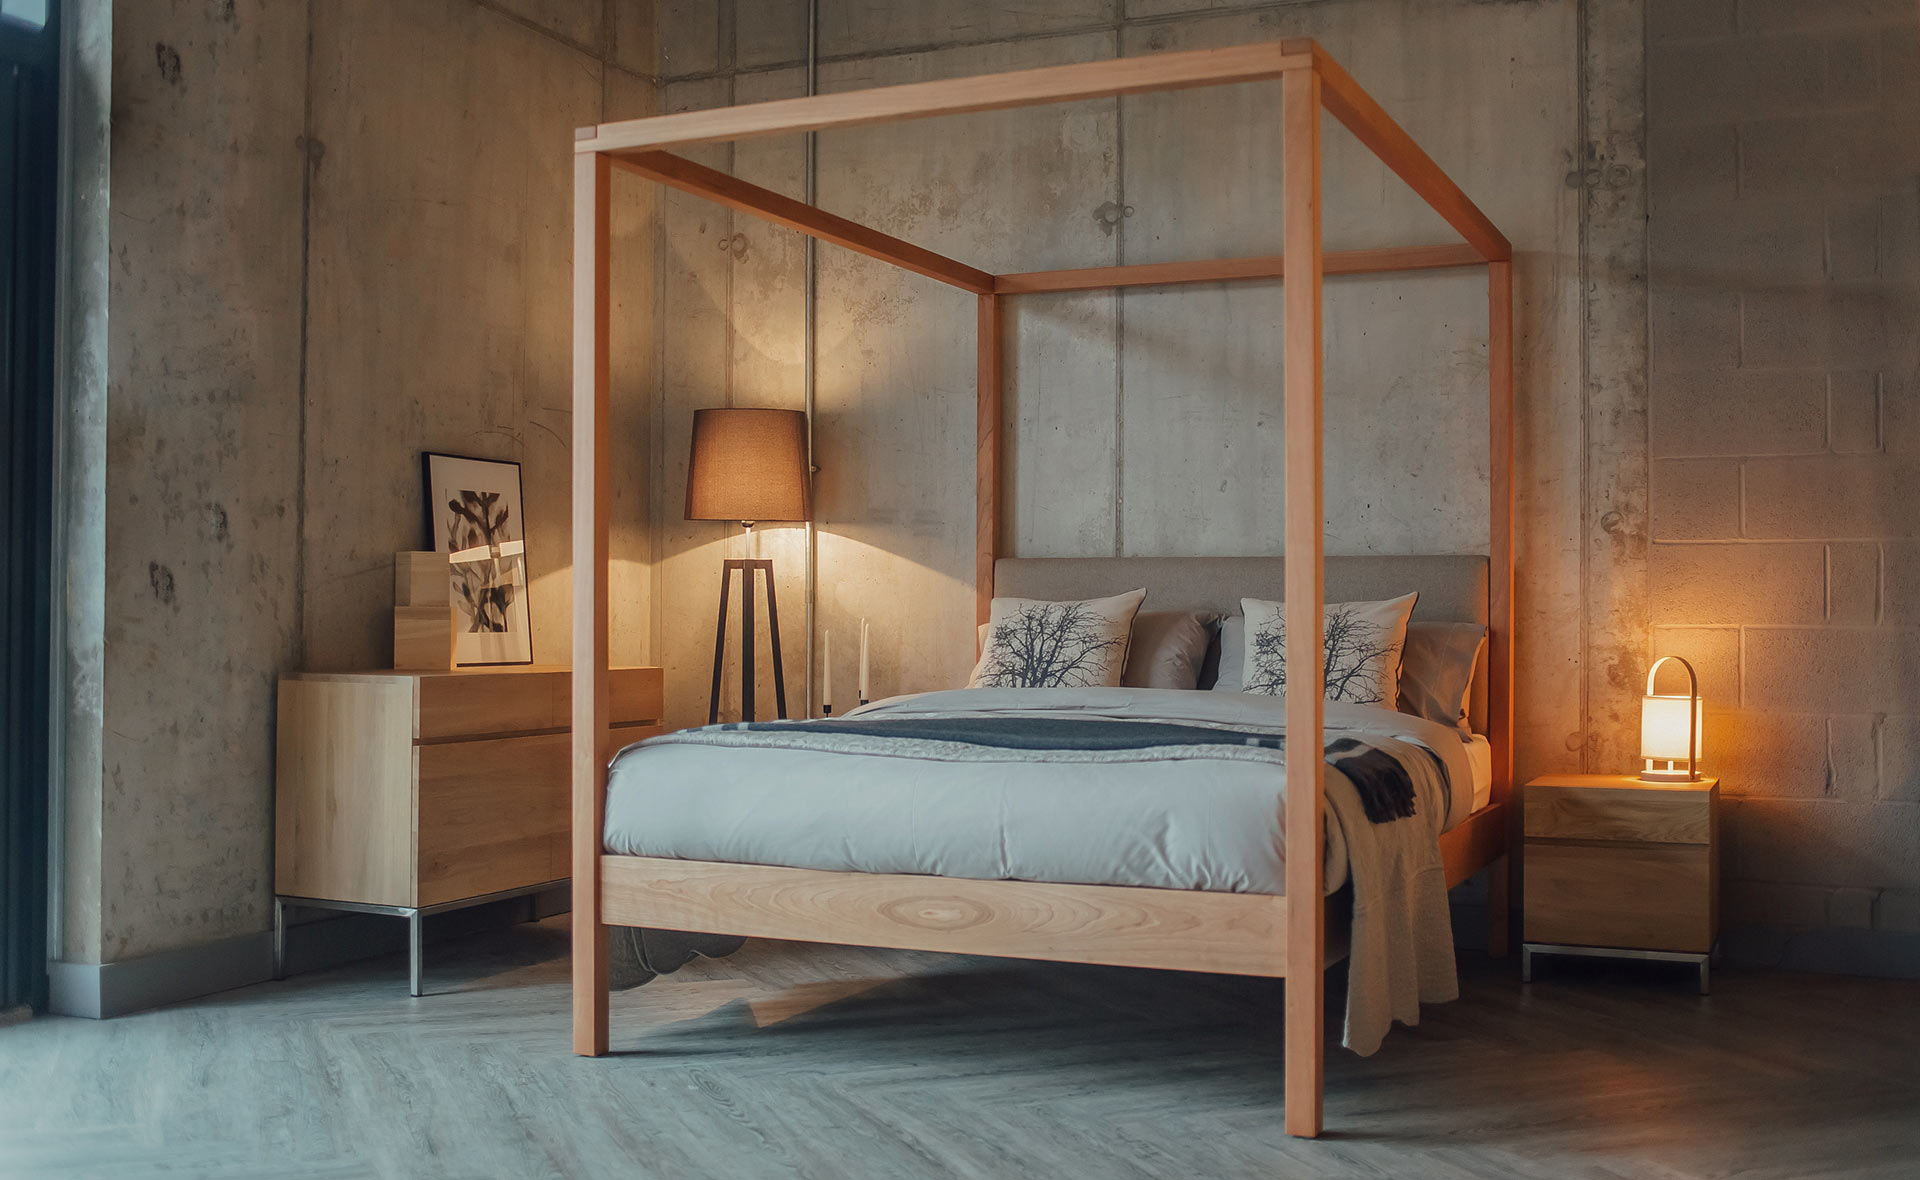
(1124,926)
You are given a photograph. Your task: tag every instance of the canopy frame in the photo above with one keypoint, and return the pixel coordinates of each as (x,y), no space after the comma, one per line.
(1311,82)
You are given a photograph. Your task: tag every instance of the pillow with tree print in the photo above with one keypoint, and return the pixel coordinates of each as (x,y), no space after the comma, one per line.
(1035,644)
(1364,644)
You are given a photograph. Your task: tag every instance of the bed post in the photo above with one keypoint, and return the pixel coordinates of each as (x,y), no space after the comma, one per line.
(1500,578)
(1305,588)
(592,186)
(986,487)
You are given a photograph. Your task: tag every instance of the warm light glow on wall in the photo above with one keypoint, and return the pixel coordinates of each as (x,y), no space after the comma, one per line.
(1671,728)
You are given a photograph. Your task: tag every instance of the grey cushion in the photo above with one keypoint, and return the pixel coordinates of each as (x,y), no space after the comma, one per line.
(1169,648)
(1232,676)
(1437,671)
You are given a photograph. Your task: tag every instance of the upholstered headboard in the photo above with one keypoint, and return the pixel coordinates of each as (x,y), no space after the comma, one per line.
(1453,588)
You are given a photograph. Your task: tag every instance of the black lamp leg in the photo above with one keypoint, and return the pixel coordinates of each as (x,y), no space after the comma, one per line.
(773,631)
(748,638)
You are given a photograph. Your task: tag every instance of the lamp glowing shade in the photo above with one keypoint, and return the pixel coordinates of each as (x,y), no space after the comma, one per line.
(748,465)
(1670,729)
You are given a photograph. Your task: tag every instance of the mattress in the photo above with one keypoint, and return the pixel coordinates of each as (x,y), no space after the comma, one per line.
(1480,759)
(1198,821)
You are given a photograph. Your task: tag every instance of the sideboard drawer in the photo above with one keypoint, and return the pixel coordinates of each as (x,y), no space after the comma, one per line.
(493,815)
(1657,897)
(1644,812)
(485,702)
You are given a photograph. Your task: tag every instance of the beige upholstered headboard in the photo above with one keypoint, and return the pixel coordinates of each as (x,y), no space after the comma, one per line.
(1453,588)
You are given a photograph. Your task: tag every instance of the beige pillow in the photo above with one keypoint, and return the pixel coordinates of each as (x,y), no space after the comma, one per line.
(1168,647)
(1035,644)
(1364,644)
(1436,672)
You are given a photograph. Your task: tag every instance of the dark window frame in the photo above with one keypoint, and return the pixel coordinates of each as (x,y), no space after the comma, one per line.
(29,196)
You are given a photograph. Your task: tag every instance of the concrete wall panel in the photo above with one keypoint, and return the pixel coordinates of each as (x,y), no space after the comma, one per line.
(203,460)
(427,206)
(1114,401)
(872,27)
(439,310)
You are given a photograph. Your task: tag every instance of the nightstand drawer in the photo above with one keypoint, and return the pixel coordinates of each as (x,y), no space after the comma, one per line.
(1653,814)
(484,703)
(493,815)
(1645,896)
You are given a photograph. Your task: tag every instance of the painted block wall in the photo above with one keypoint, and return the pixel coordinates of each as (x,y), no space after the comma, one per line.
(340,235)
(1784,171)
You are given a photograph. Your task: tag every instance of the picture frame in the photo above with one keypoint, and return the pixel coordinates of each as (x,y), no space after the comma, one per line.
(475,513)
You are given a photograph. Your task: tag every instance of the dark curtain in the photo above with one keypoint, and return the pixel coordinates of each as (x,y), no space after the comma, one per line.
(28,191)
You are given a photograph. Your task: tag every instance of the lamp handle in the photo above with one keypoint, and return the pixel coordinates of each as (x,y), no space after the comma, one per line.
(1693,708)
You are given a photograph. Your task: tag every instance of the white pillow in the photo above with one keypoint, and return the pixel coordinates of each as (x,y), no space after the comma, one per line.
(1035,644)
(1364,644)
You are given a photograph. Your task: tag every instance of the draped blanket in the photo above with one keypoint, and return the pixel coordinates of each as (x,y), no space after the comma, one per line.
(1393,783)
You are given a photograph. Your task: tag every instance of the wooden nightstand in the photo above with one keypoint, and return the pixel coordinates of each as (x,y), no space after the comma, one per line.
(413,793)
(1621,868)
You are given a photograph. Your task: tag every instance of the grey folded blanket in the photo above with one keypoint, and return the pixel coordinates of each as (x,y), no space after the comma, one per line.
(1384,783)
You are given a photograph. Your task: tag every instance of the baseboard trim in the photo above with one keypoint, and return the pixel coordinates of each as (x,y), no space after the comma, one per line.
(100,991)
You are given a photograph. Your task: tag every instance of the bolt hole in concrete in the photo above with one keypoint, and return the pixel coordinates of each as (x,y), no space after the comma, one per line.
(1108,215)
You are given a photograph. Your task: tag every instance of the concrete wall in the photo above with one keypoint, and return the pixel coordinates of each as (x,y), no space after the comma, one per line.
(1785,180)
(1144,423)
(340,235)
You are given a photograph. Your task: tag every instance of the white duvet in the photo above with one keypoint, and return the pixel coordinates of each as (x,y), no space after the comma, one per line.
(1207,817)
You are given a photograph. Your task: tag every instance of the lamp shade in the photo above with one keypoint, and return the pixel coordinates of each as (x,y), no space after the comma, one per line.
(1671,728)
(748,465)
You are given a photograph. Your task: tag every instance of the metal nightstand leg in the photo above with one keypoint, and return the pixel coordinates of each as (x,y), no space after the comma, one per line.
(416,917)
(413,948)
(1529,949)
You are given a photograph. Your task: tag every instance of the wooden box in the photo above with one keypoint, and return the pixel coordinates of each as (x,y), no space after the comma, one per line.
(422,578)
(418,788)
(1611,861)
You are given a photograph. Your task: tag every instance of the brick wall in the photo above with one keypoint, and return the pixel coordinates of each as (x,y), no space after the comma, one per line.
(1784,167)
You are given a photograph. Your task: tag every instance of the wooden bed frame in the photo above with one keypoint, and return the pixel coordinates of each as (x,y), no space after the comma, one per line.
(1235,933)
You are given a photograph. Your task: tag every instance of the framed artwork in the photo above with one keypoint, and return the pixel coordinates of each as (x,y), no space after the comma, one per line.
(474,516)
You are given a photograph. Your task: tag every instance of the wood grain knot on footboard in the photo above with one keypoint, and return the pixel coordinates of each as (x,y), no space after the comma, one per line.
(936,913)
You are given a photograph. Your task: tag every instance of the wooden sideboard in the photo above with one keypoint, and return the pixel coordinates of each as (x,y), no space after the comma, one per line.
(413,792)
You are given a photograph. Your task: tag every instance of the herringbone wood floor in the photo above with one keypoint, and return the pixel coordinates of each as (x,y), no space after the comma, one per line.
(794,1061)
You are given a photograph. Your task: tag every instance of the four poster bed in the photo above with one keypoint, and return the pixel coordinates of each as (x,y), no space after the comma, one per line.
(1281,932)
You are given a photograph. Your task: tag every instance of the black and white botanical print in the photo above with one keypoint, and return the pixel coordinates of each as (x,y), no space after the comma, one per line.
(483,589)
(1361,656)
(1052,645)
(476,517)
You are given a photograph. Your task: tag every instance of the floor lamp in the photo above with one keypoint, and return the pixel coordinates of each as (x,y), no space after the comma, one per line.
(749,466)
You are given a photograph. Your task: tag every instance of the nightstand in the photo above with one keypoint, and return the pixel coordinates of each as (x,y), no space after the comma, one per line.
(413,793)
(1621,868)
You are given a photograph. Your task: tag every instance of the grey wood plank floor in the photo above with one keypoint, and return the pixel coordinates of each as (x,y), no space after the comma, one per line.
(795,1061)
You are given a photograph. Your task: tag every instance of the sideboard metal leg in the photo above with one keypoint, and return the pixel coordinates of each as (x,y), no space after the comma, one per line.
(413,948)
(279,939)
